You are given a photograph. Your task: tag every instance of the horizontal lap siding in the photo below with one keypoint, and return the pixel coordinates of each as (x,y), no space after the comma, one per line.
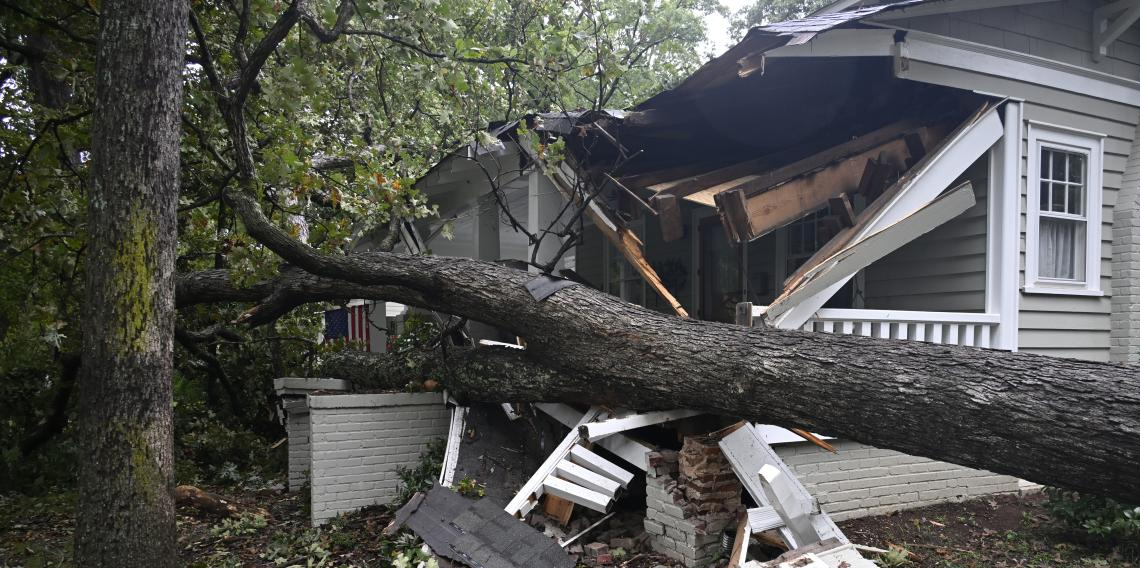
(943,270)
(1059,325)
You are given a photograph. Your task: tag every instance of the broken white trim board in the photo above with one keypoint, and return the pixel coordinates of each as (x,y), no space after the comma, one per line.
(454,439)
(575,473)
(934,174)
(595,431)
(576,494)
(793,510)
(747,452)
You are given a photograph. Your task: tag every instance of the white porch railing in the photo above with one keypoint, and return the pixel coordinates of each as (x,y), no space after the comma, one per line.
(950,328)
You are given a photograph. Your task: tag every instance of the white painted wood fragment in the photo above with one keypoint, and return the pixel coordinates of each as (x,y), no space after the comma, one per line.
(534,486)
(597,430)
(622,446)
(600,465)
(577,494)
(788,504)
(454,439)
(575,473)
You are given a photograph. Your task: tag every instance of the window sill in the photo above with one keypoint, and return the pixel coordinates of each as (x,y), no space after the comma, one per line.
(1058,290)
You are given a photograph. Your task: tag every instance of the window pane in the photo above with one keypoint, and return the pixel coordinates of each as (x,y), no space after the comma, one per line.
(1076,200)
(1058,198)
(1044,196)
(1046,156)
(1076,168)
(1061,249)
(1058,160)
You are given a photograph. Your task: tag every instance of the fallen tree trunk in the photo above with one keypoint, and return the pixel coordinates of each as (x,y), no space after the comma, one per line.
(1060,422)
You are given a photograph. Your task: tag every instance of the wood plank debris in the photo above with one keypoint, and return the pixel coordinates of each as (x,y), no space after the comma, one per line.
(593,462)
(758,208)
(631,450)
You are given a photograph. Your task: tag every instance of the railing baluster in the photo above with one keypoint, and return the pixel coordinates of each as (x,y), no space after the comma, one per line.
(829,327)
(864,328)
(969,339)
(847,328)
(920,331)
(936,333)
(899,330)
(952,335)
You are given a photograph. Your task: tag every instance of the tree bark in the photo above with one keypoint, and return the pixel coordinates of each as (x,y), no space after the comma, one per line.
(125,515)
(1055,421)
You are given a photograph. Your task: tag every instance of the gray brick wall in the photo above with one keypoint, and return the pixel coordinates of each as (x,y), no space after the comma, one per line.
(863,481)
(357,442)
(297,428)
(1125,334)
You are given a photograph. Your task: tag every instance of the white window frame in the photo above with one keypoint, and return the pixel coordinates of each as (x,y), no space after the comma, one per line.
(1045,136)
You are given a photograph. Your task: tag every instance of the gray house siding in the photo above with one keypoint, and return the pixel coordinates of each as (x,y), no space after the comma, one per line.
(1061,31)
(943,270)
(1058,325)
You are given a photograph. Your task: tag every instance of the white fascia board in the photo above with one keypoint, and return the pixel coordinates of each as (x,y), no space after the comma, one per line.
(960,54)
(838,269)
(950,160)
(949,7)
(595,431)
(622,446)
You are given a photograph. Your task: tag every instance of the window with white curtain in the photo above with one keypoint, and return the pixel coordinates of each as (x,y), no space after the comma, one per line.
(1064,192)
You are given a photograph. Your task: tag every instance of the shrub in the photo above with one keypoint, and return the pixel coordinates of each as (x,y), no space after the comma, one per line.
(1101,518)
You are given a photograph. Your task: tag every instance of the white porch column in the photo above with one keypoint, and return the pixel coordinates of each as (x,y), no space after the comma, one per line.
(1003,235)
(544,203)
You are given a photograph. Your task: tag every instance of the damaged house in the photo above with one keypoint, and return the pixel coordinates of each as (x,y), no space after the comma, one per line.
(948,171)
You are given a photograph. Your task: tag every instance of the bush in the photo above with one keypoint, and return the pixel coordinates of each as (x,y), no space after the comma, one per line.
(1101,518)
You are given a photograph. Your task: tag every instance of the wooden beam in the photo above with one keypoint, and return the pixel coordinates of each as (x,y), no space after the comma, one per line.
(841,208)
(765,177)
(792,508)
(575,473)
(845,263)
(669,215)
(740,545)
(769,208)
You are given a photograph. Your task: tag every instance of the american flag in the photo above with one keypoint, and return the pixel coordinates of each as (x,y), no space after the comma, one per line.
(350,324)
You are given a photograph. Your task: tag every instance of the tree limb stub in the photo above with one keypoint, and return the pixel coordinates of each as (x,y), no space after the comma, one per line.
(1056,421)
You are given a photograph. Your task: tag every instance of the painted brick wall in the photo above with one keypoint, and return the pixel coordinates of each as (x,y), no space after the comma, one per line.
(862,481)
(297,428)
(1125,335)
(357,442)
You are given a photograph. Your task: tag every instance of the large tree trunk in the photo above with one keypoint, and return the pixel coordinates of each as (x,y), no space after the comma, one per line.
(1055,421)
(125,515)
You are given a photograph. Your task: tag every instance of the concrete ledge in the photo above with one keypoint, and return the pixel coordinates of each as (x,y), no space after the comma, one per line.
(304,385)
(375,400)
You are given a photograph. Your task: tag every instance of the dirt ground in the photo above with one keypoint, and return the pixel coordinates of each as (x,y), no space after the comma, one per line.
(999,532)
(1002,532)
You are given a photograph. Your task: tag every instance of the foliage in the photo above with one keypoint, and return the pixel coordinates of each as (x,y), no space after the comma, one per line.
(894,556)
(1102,518)
(471,488)
(405,83)
(409,553)
(244,525)
(423,476)
(769,12)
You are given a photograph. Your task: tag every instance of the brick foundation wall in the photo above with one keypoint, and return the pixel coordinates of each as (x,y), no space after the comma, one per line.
(357,443)
(864,481)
